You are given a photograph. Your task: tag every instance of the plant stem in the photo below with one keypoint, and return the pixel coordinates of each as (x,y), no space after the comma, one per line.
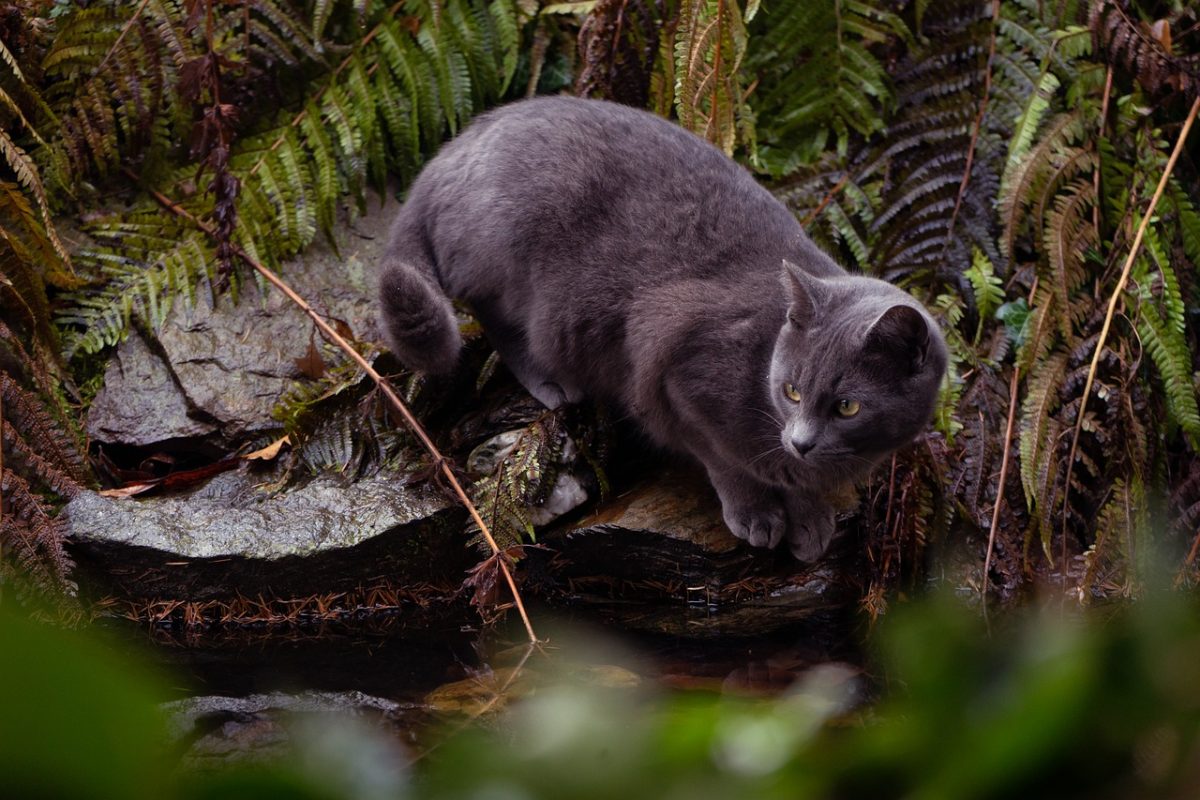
(1008,432)
(1112,308)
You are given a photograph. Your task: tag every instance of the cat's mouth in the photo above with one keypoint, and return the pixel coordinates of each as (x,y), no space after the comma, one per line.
(838,465)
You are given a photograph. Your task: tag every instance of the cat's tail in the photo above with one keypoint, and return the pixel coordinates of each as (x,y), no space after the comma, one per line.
(418,319)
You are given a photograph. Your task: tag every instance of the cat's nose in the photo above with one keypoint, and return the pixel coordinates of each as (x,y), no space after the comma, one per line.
(803,446)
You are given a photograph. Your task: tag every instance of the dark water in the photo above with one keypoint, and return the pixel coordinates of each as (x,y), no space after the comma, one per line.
(386,659)
(238,693)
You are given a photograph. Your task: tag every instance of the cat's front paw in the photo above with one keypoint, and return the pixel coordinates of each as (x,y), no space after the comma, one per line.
(759,526)
(811,531)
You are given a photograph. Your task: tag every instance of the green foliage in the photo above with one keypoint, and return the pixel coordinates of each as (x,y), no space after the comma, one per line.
(996,166)
(403,84)
(710,45)
(988,289)
(520,481)
(820,79)
(185,100)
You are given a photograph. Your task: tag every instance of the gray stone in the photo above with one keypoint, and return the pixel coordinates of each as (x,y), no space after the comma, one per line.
(228,517)
(231,537)
(218,370)
(184,715)
(348,739)
(141,403)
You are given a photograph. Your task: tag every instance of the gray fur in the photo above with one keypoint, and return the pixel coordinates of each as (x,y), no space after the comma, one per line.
(611,254)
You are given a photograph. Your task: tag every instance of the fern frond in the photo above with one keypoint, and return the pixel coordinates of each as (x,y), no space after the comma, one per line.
(520,481)
(710,44)
(27,173)
(1172,357)
(32,540)
(1037,443)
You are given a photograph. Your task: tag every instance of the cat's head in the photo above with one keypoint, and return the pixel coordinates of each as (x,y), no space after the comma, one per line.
(855,372)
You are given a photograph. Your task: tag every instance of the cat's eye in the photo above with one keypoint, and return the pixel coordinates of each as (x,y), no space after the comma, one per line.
(792,392)
(847,407)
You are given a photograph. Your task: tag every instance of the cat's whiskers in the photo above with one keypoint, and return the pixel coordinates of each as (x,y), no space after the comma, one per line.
(769,416)
(768,452)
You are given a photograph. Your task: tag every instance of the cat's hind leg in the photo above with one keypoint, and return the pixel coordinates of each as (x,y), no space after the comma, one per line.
(512,345)
(751,510)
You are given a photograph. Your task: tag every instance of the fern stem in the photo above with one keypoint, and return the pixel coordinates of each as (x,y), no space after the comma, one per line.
(385,387)
(975,129)
(1108,80)
(1004,459)
(1108,316)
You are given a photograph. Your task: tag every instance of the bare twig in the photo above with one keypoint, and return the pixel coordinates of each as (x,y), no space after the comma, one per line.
(826,200)
(137,12)
(1112,308)
(983,104)
(385,387)
(1108,79)
(1008,432)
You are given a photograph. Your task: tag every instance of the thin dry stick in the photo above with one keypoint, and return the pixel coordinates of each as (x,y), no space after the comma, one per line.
(137,12)
(826,200)
(1108,78)
(983,104)
(332,335)
(1112,308)
(1008,432)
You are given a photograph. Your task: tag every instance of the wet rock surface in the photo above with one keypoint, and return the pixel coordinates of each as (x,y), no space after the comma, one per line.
(217,370)
(231,536)
(218,731)
(659,558)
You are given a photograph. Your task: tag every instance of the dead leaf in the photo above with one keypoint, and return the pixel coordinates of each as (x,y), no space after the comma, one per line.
(478,694)
(269,452)
(343,328)
(1161,30)
(607,676)
(311,365)
(131,489)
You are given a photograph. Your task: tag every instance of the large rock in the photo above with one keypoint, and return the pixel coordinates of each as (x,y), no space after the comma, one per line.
(230,538)
(659,557)
(347,738)
(217,370)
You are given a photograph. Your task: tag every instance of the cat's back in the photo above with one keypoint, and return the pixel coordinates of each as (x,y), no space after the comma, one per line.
(541,183)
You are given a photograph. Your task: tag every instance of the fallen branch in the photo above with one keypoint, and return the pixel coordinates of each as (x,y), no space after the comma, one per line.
(1112,308)
(385,387)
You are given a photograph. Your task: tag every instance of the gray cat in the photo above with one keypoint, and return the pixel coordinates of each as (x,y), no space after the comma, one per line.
(611,254)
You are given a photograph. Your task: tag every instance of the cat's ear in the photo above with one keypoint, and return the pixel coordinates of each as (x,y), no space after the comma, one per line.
(900,333)
(807,293)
